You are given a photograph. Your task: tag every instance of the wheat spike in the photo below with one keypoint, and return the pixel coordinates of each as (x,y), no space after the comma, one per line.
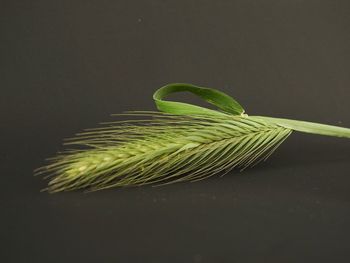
(166,148)
(183,142)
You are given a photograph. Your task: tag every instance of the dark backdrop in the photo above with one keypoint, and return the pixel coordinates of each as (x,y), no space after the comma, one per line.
(66,65)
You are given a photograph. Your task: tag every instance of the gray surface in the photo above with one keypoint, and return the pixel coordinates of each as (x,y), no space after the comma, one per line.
(66,65)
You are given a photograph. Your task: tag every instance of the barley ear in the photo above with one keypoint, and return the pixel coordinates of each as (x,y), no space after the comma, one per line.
(182,142)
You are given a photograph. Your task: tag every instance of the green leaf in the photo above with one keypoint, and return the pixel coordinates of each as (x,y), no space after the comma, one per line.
(225,103)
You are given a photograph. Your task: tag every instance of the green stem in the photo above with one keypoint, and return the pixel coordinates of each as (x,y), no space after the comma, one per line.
(308,127)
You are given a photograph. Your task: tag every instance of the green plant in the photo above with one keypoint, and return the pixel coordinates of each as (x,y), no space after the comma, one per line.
(182,142)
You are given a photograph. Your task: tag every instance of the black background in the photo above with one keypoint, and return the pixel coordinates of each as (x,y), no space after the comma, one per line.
(66,65)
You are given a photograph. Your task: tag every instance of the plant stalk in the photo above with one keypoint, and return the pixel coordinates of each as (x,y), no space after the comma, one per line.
(308,127)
